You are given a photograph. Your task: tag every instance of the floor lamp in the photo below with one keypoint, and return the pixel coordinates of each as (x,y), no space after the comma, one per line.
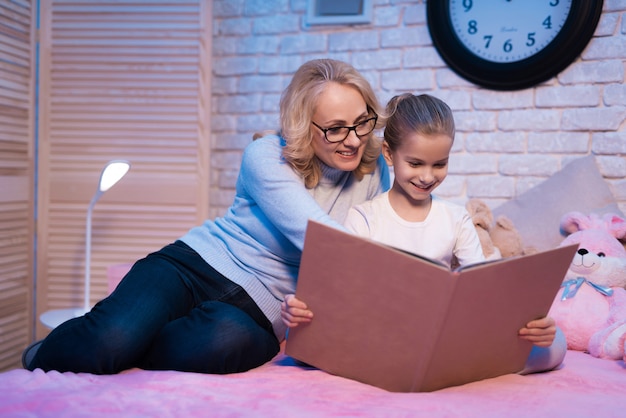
(112,172)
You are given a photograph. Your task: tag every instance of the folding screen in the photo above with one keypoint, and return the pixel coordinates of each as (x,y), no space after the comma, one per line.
(16,178)
(127,80)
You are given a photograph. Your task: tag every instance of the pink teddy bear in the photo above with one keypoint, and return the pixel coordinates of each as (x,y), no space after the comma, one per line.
(590,308)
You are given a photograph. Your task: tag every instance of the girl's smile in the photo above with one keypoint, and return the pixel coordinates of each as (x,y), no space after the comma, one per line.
(420,165)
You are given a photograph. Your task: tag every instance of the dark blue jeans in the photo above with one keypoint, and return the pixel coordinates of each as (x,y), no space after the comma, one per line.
(172,311)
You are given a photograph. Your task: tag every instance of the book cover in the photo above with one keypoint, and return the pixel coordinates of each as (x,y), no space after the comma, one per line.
(403,323)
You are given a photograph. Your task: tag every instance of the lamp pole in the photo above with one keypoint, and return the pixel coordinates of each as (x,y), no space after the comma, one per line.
(87,303)
(112,172)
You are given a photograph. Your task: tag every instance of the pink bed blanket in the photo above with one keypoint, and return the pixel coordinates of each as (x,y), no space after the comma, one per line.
(583,387)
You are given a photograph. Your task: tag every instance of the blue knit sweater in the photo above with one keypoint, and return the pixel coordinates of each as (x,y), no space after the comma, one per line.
(258,242)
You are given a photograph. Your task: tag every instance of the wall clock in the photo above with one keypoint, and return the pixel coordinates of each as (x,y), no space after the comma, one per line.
(511,44)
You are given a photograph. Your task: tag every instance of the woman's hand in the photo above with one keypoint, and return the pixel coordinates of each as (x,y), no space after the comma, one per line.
(540,332)
(293,311)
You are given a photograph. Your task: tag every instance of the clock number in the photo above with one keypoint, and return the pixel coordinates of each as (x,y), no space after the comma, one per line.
(468,4)
(547,23)
(472,27)
(531,39)
(554,3)
(487,39)
(507,46)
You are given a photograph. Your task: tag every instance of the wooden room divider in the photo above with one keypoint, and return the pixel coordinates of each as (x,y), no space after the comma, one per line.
(116,80)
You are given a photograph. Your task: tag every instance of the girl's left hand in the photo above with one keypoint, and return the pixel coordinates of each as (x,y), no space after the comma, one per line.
(540,332)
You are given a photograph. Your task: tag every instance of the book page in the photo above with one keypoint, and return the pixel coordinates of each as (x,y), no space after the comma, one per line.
(490,304)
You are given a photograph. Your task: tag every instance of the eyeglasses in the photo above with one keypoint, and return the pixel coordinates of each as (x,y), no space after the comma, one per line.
(340,133)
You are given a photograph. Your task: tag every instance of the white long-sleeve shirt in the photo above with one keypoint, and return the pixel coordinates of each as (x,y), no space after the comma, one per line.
(447,230)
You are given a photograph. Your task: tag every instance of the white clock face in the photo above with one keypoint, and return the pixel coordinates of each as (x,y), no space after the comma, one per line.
(507,30)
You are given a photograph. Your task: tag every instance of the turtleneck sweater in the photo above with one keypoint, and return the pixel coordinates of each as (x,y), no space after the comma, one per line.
(258,243)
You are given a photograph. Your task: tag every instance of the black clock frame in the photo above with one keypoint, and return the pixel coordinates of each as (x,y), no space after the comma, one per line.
(555,57)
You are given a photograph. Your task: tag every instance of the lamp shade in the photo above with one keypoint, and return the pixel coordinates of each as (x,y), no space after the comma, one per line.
(112,173)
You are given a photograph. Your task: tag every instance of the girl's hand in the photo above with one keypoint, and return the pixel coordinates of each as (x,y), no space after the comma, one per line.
(540,332)
(293,311)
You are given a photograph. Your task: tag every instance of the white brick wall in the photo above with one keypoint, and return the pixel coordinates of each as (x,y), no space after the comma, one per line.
(506,142)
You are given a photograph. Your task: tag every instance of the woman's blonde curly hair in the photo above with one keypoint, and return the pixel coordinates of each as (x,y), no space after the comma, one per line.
(297,106)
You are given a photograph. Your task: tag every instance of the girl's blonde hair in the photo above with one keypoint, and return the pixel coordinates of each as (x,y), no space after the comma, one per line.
(423,114)
(297,106)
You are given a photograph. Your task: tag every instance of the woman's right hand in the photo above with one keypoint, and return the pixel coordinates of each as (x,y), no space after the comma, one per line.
(293,311)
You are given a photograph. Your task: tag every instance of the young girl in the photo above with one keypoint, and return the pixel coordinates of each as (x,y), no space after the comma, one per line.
(418,138)
(211,301)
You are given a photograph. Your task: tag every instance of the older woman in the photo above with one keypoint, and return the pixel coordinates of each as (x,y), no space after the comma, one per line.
(210,302)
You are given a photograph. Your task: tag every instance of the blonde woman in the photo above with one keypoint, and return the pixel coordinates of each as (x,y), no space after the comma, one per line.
(210,302)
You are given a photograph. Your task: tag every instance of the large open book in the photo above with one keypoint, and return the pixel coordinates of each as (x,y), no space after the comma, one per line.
(405,324)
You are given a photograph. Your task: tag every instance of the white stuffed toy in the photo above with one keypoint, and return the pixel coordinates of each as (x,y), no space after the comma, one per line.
(590,308)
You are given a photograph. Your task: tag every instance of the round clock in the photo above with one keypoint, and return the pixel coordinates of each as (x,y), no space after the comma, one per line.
(511,44)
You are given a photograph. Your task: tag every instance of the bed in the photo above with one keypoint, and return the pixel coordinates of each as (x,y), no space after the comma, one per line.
(583,386)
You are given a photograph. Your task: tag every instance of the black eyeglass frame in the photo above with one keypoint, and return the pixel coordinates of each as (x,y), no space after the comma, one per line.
(350,128)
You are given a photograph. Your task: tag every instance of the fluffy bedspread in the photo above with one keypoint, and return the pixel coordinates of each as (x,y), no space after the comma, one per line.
(584,386)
